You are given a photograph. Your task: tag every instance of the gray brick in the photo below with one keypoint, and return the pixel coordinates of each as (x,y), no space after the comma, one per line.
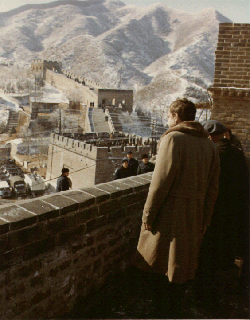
(42,209)
(114,191)
(17,217)
(84,199)
(99,194)
(62,203)
(126,189)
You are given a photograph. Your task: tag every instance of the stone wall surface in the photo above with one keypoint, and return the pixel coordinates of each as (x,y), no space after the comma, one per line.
(231,88)
(60,247)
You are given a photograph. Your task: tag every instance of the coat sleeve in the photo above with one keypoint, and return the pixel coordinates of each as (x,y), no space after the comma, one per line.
(59,185)
(167,164)
(212,189)
(139,170)
(117,176)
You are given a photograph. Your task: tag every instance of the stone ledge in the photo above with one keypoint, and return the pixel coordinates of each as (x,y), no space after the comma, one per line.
(230,91)
(29,212)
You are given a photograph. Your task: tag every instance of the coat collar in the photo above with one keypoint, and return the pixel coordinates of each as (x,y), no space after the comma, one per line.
(194,128)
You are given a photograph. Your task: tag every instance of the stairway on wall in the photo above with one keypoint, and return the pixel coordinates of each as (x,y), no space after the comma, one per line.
(100,124)
(114,113)
(12,121)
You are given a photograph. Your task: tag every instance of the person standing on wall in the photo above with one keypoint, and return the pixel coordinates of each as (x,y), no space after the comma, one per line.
(123,171)
(226,237)
(132,163)
(233,139)
(178,208)
(145,166)
(63,182)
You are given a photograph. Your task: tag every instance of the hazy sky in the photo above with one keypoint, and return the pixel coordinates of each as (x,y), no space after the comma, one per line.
(236,10)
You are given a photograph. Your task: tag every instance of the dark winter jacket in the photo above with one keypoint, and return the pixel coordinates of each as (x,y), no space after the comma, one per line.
(236,142)
(63,184)
(224,239)
(145,168)
(133,165)
(122,173)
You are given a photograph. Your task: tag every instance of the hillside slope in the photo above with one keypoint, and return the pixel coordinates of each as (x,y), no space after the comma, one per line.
(162,53)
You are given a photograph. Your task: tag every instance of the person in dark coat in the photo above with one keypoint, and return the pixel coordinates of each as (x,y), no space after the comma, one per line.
(64,182)
(145,166)
(132,163)
(123,171)
(224,239)
(233,139)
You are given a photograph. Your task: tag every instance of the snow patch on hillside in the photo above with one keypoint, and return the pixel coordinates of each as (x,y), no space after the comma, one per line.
(166,53)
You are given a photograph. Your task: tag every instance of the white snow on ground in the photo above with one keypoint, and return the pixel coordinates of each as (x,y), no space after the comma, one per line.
(166,52)
(4,116)
(7,102)
(50,94)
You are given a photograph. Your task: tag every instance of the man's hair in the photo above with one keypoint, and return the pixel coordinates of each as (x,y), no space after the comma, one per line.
(185,109)
(229,131)
(144,156)
(65,170)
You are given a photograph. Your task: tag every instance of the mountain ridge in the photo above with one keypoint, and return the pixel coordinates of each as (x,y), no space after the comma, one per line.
(161,52)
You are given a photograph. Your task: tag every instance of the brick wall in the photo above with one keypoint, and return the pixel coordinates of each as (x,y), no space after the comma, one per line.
(59,247)
(231,88)
(232,65)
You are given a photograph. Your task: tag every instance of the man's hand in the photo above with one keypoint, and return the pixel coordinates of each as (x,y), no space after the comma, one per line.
(147,226)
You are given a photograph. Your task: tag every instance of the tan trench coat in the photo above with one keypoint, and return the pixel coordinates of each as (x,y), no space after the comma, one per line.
(180,202)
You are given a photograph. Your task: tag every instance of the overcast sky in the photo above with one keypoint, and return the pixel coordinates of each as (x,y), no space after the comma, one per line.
(236,10)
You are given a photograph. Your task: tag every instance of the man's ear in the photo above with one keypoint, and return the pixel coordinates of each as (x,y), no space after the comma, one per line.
(177,118)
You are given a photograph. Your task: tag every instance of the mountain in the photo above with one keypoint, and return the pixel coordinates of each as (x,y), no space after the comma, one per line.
(161,52)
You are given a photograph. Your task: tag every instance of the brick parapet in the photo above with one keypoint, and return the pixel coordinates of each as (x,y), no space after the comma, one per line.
(232,65)
(231,88)
(59,247)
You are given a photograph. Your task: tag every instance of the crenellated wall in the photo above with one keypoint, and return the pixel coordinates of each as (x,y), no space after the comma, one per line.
(86,81)
(90,91)
(57,248)
(71,87)
(88,164)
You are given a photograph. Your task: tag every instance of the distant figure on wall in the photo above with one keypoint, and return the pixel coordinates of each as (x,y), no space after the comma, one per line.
(132,163)
(64,182)
(123,171)
(145,166)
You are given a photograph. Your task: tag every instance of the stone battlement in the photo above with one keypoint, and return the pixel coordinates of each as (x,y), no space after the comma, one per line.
(94,152)
(57,248)
(82,80)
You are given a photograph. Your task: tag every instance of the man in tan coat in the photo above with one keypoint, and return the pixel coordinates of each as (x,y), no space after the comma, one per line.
(180,201)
